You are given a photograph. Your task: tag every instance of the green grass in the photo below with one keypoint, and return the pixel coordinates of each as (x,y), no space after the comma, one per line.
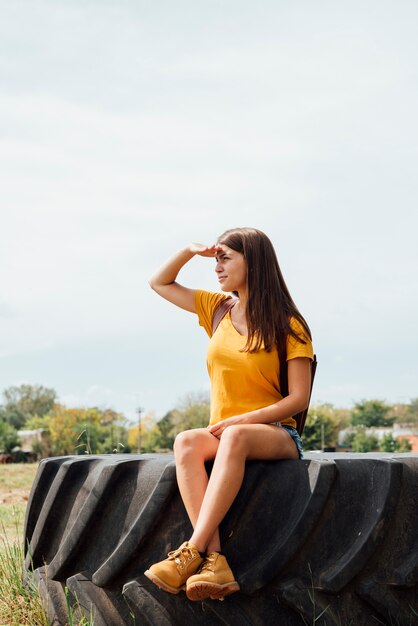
(20,605)
(15,483)
(11,520)
(17,475)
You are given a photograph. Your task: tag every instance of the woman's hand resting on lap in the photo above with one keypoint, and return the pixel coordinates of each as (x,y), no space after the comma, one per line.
(218,428)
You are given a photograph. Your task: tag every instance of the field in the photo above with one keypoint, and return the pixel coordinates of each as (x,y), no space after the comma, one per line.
(19,605)
(15,484)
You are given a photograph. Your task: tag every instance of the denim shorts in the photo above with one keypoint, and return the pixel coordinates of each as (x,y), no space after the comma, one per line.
(295,436)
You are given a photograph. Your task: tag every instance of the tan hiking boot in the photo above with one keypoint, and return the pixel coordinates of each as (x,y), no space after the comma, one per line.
(214,579)
(172,573)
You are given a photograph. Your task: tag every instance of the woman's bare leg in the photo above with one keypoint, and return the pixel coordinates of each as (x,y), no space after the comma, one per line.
(237,444)
(192,448)
(207,501)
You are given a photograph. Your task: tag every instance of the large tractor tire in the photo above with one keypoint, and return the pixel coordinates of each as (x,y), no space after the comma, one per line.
(331,540)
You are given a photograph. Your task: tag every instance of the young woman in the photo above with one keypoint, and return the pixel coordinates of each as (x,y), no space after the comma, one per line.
(249,418)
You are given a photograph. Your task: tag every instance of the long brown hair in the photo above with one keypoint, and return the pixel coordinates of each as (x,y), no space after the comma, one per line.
(270,305)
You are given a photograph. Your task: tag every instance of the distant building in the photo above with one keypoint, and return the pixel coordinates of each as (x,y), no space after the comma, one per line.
(28,438)
(398,431)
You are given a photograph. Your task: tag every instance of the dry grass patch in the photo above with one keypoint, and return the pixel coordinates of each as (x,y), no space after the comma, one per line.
(15,484)
(19,605)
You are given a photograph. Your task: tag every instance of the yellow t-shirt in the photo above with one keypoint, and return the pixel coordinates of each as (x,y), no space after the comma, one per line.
(242,381)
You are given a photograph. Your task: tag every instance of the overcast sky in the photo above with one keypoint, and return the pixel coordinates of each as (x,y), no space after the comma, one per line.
(130,128)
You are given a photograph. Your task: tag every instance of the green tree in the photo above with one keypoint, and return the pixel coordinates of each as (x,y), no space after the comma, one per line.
(81,431)
(166,434)
(113,433)
(371,413)
(399,412)
(8,437)
(26,401)
(412,412)
(362,442)
(390,444)
(323,419)
(150,435)
(193,412)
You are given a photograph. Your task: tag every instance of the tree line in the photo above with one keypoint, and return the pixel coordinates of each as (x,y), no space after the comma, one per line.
(63,430)
(93,430)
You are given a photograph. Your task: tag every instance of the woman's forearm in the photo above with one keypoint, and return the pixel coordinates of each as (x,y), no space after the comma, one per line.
(164,280)
(167,273)
(285,408)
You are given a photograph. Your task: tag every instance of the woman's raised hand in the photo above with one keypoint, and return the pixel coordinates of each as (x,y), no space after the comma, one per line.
(202,250)
(164,281)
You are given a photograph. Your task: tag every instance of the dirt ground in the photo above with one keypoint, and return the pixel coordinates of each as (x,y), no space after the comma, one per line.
(13,496)
(15,485)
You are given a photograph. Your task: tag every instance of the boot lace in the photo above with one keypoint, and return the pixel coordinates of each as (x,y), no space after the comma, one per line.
(181,555)
(209,562)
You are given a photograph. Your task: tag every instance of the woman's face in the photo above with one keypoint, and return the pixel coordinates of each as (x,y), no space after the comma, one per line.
(231,269)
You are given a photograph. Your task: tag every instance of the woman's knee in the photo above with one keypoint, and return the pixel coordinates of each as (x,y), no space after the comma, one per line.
(189,442)
(235,439)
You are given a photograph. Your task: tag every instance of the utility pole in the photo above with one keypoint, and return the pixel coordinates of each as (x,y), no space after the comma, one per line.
(139,411)
(322,437)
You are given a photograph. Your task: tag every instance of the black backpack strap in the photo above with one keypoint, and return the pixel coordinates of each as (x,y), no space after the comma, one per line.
(221,310)
(284,385)
(300,418)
